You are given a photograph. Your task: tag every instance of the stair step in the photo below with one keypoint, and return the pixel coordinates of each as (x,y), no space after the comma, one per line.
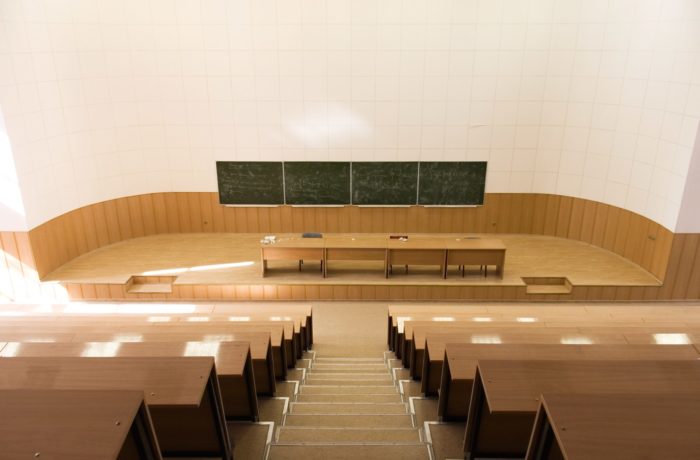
(349,421)
(349,452)
(349,360)
(349,382)
(348,370)
(320,435)
(350,366)
(349,398)
(347,408)
(345,388)
(346,376)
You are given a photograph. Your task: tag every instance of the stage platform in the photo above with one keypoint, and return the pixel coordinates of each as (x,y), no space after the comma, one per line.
(226,266)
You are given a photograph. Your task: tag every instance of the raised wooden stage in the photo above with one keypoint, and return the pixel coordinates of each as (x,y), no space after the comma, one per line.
(226,266)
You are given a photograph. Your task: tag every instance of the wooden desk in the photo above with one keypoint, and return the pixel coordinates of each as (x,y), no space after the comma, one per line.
(80,425)
(460,361)
(616,427)
(506,394)
(233,364)
(348,247)
(477,251)
(182,394)
(291,248)
(282,349)
(416,251)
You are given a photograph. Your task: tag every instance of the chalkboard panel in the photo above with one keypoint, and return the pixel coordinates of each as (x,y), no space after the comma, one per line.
(317,183)
(452,183)
(384,183)
(250,182)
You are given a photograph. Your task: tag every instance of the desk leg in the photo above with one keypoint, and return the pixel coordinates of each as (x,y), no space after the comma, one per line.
(444,265)
(263,263)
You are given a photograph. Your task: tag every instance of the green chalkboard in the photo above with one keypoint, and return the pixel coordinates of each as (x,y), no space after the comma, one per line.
(452,183)
(250,182)
(317,183)
(384,183)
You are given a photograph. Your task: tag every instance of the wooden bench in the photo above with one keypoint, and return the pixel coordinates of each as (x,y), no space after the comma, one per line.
(234,366)
(80,425)
(506,394)
(459,367)
(621,427)
(182,394)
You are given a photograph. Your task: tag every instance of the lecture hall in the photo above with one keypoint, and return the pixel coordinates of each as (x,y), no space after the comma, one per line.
(341,229)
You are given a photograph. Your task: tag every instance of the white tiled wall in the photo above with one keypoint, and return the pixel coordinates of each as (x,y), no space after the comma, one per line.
(597,99)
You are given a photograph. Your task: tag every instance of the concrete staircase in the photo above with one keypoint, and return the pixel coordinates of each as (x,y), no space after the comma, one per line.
(348,408)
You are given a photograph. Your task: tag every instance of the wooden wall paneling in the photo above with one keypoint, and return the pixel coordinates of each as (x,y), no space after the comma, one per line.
(685,266)
(78,230)
(206,212)
(136,218)
(589,214)
(171,213)
(693,291)
(636,234)
(194,211)
(183,212)
(68,245)
(528,213)
(600,224)
(148,214)
(623,223)
(26,258)
(649,244)
(504,211)
(539,214)
(551,215)
(87,223)
(14,262)
(611,228)
(563,217)
(662,252)
(577,211)
(481,223)
(123,219)
(252,220)
(163,206)
(240,221)
(218,222)
(111,221)
(666,290)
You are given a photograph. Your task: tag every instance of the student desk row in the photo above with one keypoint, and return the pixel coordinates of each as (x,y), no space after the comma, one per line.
(414,250)
(80,425)
(459,368)
(507,395)
(283,352)
(233,364)
(435,346)
(182,395)
(624,427)
(260,346)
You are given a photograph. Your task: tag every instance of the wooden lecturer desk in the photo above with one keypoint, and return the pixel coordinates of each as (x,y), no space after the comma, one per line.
(415,250)
(506,394)
(616,427)
(182,394)
(80,425)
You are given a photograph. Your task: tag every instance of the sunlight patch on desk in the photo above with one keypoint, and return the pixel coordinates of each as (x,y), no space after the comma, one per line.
(671,339)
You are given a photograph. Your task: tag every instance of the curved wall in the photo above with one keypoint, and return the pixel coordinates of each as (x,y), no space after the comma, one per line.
(82,230)
(598,100)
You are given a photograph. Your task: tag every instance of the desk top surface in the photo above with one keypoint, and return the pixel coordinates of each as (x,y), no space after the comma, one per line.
(374,241)
(463,357)
(625,426)
(164,381)
(516,386)
(57,424)
(230,357)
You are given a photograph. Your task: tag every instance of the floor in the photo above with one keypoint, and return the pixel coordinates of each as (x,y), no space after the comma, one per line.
(197,258)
